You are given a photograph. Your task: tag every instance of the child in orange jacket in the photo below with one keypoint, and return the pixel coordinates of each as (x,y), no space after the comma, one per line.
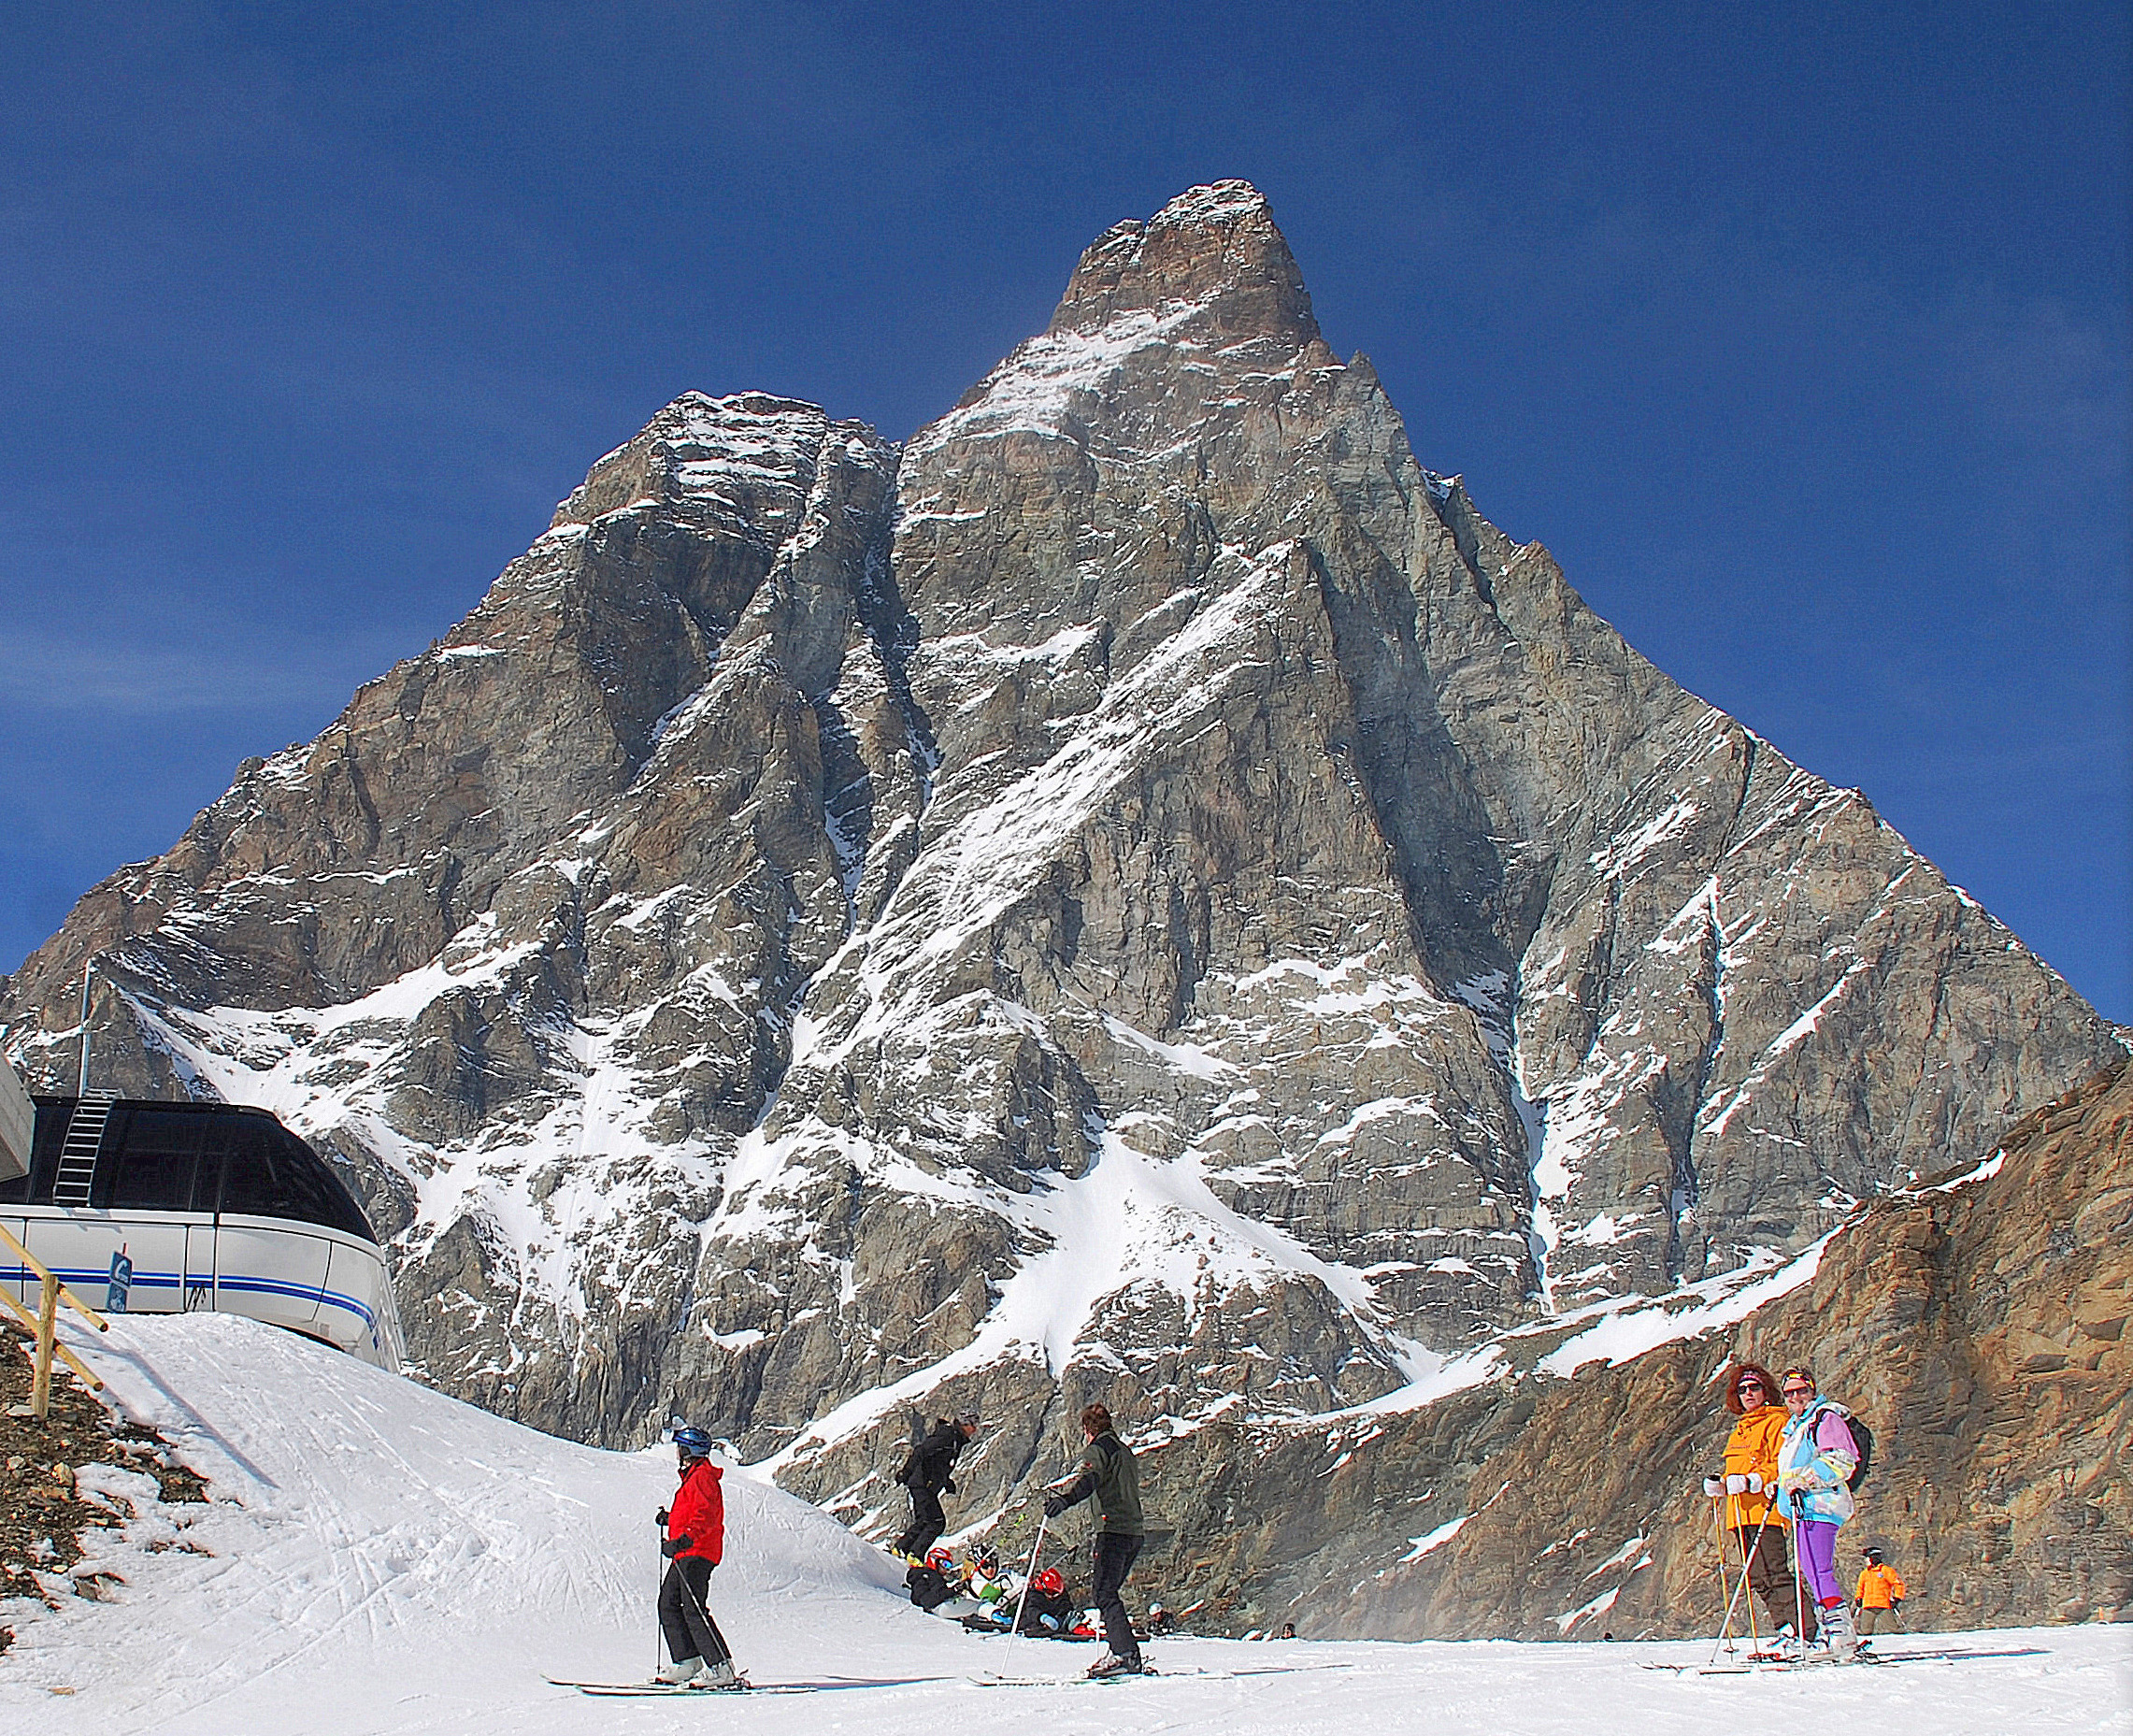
(1881,1592)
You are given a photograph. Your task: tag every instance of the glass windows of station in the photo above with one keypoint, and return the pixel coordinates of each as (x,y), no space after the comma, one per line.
(160,1169)
(180,1158)
(273,1173)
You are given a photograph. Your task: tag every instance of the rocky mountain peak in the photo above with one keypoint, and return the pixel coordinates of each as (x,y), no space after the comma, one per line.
(745,460)
(1139,892)
(1215,247)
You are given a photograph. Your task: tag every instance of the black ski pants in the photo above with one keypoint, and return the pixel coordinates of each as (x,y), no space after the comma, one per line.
(1109,1562)
(1770,1578)
(685,1612)
(927,1522)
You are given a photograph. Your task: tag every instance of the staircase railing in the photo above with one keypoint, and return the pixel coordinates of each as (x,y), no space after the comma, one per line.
(77,1155)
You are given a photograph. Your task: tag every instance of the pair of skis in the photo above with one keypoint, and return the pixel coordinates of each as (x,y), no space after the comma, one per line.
(1758,1666)
(1766,1665)
(682,1690)
(1124,1675)
(1082,1680)
(664,1691)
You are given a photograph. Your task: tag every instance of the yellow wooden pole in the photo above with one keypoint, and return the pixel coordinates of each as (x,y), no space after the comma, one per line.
(48,1332)
(47,1324)
(29,1319)
(66,1295)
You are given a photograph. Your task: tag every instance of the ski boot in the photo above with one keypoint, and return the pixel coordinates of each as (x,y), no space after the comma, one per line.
(1838,1633)
(1781,1647)
(681,1674)
(1114,1665)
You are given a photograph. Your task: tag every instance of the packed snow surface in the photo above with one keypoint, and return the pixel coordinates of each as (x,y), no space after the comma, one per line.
(380,1558)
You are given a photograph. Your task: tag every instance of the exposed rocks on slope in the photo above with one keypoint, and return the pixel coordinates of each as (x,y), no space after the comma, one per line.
(63,1478)
(1978,1327)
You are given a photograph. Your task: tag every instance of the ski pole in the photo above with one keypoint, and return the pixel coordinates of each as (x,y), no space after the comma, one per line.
(1799,1572)
(710,1627)
(1015,1632)
(1749,1556)
(1748,1553)
(1718,1537)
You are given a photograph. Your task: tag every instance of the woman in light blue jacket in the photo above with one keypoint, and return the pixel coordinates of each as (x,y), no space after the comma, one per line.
(1816,1457)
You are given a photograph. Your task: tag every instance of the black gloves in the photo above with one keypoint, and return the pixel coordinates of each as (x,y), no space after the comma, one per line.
(661,1518)
(1054,1505)
(672,1546)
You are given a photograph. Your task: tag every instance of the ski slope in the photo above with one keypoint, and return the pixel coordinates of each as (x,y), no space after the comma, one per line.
(383,1558)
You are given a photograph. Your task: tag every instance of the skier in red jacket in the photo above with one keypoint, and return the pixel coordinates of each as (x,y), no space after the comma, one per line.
(695,1538)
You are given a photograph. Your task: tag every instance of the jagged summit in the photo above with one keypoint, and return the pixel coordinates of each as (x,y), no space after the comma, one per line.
(1215,248)
(742,456)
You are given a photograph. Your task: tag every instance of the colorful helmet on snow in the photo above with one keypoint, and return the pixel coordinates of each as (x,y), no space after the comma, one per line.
(939,1559)
(989,1564)
(692,1442)
(1050,1582)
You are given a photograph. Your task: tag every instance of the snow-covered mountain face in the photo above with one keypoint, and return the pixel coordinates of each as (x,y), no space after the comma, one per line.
(1141,894)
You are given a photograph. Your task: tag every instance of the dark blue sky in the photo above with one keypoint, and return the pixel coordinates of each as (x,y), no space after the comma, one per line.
(1798,332)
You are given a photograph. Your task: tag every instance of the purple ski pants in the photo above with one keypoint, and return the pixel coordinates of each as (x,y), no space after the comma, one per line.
(1818,1561)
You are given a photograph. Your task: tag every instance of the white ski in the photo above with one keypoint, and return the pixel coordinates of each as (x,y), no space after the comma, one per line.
(653,1690)
(1086,1681)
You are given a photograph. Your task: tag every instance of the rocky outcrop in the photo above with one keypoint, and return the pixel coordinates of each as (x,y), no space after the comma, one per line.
(1140,892)
(1977,1323)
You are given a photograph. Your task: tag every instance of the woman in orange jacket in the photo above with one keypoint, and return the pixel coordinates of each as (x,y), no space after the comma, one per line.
(1752,1482)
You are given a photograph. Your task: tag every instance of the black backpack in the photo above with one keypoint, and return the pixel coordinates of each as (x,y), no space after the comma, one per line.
(908,1471)
(1862,1437)
(1046,1613)
(928,1586)
(1862,1442)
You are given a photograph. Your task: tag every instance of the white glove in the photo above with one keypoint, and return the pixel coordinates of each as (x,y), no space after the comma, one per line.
(1713,1486)
(1743,1483)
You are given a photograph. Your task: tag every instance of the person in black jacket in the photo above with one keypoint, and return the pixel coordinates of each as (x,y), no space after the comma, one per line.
(927,1473)
(1109,1473)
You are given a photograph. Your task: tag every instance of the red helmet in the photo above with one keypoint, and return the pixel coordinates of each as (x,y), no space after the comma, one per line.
(939,1558)
(1050,1582)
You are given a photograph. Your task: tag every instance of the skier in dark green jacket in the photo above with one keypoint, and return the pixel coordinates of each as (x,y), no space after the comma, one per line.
(1109,1472)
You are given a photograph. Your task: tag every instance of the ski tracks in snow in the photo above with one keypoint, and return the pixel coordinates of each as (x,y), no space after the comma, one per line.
(388,1560)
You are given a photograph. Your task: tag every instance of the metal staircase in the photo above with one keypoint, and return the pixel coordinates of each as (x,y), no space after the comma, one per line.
(77,1155)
